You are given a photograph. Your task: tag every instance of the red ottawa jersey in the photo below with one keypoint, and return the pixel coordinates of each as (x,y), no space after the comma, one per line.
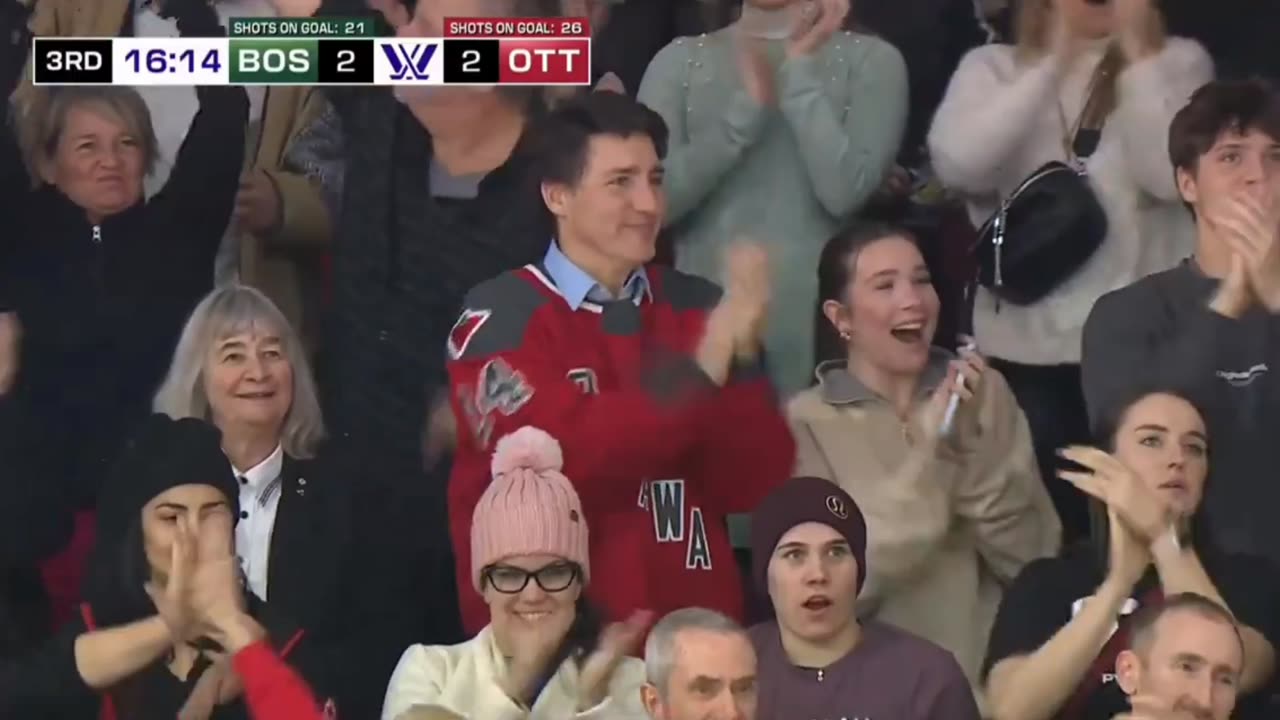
(658,453)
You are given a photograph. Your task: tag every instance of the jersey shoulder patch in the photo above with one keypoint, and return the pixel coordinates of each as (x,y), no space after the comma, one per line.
(684,291)
(496,315)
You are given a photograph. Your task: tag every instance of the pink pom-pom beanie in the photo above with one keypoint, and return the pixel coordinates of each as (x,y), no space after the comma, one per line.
(530,508)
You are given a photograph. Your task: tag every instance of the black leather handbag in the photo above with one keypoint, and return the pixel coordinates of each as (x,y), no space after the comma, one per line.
(1052,223)
(1042,234)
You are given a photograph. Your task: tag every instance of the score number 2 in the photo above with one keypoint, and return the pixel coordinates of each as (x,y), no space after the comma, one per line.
(470,61)
(346,61)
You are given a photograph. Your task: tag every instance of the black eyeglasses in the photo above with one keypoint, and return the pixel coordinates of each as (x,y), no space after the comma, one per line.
(551,578)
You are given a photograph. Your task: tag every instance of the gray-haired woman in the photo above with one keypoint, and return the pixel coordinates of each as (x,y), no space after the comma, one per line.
(241,366)
(99,279)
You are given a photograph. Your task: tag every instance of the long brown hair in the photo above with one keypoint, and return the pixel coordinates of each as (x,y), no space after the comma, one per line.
(1033,23)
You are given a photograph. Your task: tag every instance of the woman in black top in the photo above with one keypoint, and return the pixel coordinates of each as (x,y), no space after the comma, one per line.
(164,604)
(100,278)
(1062,622)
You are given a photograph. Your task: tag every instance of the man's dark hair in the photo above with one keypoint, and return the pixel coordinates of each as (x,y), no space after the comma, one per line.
(1142,629)
(1220,107)
(560,138)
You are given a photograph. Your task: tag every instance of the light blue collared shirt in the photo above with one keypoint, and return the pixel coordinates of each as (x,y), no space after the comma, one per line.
(578,287)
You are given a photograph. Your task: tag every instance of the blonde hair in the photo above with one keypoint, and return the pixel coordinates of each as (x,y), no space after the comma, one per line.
(40,119)
(223,313)
(1033,24)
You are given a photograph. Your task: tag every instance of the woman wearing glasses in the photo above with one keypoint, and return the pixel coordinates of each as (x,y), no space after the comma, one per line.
(543,651)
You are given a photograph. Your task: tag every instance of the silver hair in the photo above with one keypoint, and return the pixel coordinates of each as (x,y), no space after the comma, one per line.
(221,314)
(660,647)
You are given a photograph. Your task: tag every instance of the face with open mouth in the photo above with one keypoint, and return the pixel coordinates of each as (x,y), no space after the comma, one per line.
(1162,438)
(813,579)
(890,311)
(249,380)
(531,596)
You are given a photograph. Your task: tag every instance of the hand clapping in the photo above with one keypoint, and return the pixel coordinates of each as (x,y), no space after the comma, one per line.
(616,642)
(1135,28)
(1111,481)
(202,595)
(216,594)
(820,21)
(172,601)
(747,294)
(1250,226)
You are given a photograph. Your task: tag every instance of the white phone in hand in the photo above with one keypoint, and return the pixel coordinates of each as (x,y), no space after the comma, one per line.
(953,403)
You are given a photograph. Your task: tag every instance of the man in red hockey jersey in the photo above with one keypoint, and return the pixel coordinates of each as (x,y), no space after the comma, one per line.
(649,378)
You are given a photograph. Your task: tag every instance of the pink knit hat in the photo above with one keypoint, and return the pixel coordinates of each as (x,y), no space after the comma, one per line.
(530,508)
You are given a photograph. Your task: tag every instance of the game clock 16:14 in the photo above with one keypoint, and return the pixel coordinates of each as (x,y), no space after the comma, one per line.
(170,61)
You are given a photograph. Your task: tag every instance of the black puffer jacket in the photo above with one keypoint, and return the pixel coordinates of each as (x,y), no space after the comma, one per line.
(102,305)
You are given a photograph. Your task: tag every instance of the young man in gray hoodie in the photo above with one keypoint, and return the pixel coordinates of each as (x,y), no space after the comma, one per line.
(1211,326)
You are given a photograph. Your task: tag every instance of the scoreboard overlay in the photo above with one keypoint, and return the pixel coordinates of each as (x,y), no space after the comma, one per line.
(292,51)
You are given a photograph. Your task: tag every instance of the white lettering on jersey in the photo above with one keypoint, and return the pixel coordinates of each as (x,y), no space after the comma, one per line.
(698,556)
(667,498)
(585,379)
(667,501)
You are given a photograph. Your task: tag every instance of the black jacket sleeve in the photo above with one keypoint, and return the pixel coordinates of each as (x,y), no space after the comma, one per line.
(46,683)
(1132,340)
(199,197)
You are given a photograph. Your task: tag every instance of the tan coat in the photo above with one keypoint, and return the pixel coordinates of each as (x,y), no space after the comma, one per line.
(280,265)
(948,529)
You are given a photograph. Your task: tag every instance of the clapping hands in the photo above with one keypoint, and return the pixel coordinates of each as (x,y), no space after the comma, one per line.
(747,295)
(819,21)
(736,325)
(616,642)
(202,595)
(1250,225)
(1108,479)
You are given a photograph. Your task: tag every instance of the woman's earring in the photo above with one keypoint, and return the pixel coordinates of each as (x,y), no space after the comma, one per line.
(845,335)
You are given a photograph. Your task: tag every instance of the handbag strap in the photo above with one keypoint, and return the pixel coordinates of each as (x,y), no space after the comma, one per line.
(1071,136)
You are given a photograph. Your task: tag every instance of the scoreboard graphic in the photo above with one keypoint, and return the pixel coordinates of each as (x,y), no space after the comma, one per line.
(338,51)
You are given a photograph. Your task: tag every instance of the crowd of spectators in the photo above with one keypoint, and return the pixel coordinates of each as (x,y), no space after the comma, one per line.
(692,395)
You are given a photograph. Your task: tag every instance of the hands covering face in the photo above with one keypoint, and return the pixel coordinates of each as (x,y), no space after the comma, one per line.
(203,592)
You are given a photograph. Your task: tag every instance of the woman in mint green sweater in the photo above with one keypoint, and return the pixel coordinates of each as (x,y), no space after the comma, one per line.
(782,126)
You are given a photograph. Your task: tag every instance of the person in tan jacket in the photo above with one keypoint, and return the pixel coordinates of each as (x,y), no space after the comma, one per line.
(952,515)
(282,220)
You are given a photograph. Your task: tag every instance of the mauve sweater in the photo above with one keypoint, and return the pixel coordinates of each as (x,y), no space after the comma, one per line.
(890,675)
